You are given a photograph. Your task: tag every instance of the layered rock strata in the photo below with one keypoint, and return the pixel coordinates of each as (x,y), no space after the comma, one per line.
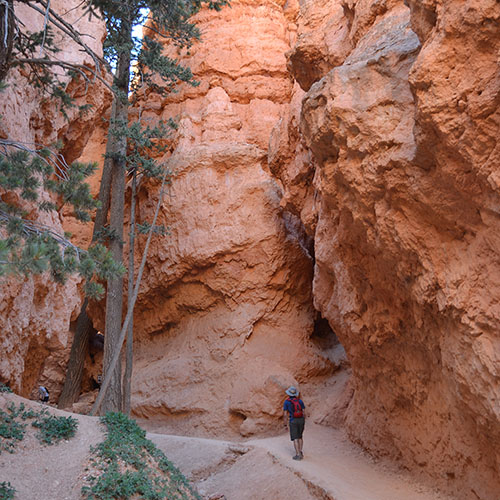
(403,209)
(225,313)
(35,312)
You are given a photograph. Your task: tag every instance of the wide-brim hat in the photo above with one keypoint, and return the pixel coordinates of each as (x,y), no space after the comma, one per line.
(292,391)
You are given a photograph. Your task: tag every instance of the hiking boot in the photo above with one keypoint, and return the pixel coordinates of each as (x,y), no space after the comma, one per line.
(297,457)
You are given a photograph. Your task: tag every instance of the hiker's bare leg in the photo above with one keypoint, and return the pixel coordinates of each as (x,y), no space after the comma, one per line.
(300,444)
(296,445)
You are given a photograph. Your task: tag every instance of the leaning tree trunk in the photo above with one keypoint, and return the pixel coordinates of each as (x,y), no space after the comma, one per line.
(79,347)
(129,357)
(114,297)
(7,30)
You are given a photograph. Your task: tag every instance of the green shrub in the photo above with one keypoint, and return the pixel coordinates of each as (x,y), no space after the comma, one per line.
(7,492)
(54,429)
(11,429)
(131,465)
(51,428)
(4,388)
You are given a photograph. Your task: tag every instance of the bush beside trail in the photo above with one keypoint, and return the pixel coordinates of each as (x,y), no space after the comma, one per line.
(127,465)
(52,428)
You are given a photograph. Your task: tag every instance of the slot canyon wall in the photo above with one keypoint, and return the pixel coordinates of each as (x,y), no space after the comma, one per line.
(384,146)
(35,312)
(401,112)
(339,157)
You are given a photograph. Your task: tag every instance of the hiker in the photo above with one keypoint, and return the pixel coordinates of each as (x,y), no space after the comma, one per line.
(96,344)
(295,419)
(44,394)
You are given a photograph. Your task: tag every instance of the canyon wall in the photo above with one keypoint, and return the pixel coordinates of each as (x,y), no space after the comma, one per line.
(224,316)
(401,113)
(339,161)
(35,312)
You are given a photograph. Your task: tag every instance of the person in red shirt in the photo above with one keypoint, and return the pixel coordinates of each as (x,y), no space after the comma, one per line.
(294,415)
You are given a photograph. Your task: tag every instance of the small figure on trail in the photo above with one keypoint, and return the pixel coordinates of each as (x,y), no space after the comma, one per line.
(96,344)
(295,419)
(44,394)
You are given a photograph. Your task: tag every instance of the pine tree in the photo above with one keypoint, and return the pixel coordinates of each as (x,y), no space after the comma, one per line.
(29,248)
(26,246)
(169,20)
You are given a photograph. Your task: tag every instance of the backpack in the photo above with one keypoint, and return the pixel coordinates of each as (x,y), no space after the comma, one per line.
(297,408)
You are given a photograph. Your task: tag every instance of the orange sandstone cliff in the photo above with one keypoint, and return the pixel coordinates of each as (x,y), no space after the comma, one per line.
(335,176)
(36,313)
(401,114)
(351,145)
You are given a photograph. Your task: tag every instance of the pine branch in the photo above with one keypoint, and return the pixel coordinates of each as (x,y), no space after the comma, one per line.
(35,228)
(54,160)
(68,29)
(79,68)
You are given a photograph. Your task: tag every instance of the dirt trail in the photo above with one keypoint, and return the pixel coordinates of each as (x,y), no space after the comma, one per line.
(343,470)
(40,472)
(333,469)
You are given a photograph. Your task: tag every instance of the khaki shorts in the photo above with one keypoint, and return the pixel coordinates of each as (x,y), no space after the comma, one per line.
(297,428)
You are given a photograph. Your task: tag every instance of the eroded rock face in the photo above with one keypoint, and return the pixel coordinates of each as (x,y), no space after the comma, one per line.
(323,40)
(404,134)
(225,312)
(372,176)
(35,312)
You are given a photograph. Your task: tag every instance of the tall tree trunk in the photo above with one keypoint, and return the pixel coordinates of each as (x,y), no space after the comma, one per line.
(79,347)
(7,31)
(116,354)
(129,358)
(114,297)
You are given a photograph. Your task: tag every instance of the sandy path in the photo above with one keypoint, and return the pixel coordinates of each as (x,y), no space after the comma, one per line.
(39,472)
(343,470)
(333,469)
(221,469)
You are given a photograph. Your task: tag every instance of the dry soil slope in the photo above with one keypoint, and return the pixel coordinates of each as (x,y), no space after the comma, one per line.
(39,472)
(333,468)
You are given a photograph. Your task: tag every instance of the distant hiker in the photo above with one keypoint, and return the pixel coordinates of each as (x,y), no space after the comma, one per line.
(96,341)
(96,344)
(44,394)
(295,419)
